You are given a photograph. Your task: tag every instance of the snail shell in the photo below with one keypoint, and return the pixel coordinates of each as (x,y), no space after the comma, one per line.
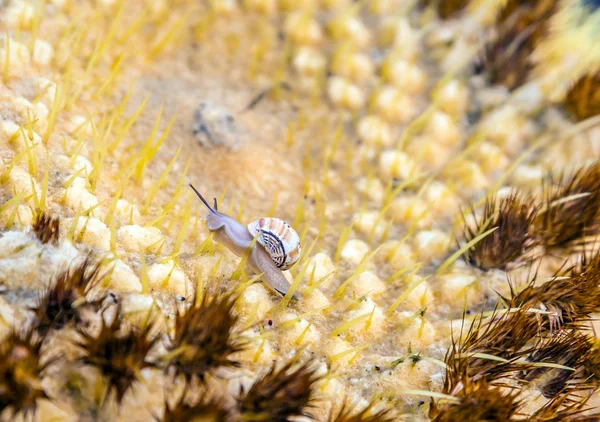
(279,239)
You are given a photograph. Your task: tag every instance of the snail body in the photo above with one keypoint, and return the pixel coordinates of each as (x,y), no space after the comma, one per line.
(277,246)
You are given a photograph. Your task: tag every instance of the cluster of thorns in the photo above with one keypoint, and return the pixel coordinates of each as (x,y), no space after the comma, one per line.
(538,339)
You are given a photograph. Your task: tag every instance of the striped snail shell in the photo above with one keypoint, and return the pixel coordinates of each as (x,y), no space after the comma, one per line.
(279,239)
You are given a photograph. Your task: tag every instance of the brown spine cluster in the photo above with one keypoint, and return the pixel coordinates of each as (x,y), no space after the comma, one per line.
(61,303)
(348,414)
(505,335)
(206,408)
(46,228)
(512,217)
(279,395)
(447,8)
(479,401)
(118,352)
(571,296)
(567,217)
(21,369)
(569,348)
(563,408)
(204,338)
(571,208)
(520,27)
(583,99)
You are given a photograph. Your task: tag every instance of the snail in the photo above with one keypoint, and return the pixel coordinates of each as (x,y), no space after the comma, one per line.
(277,245)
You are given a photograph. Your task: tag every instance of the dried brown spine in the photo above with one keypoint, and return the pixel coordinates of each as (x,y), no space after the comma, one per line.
(583,99)
(119,353)
(448,8)
(480,401)
(536,9)
(571,296)
(505,335)
(348,414)
(204,338)
(62,301)
(592,365)
(564,408)
(512,216)
(280,394)
(207,408)
(571,208)
(46,228)
(506,59)
(21,369)
(569,348)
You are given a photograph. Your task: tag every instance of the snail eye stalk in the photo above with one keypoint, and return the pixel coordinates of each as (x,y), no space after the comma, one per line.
(202,199)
